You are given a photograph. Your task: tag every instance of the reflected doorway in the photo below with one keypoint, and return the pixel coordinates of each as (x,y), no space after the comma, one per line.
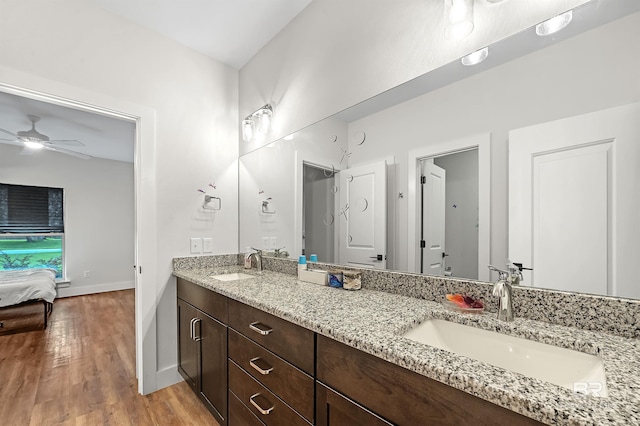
(449,214)
(318,212)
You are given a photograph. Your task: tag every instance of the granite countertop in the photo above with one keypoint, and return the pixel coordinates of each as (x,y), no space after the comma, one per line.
(374,321)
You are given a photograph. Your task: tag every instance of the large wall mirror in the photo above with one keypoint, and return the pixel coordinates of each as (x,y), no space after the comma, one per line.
(532,156)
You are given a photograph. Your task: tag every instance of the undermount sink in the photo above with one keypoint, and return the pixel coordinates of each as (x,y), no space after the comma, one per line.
(568,368)
(233,276)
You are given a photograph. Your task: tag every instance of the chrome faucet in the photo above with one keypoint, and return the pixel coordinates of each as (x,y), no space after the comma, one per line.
(503,290)
(258,257)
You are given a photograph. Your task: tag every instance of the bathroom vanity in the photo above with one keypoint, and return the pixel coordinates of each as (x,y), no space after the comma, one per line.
(300,353)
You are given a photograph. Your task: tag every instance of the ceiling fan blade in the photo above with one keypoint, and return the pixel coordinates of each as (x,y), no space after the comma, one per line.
(11,142)
(68,152)
(9,133)
(66,142)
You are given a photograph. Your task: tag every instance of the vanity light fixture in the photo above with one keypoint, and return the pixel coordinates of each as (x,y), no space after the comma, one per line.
(256,123)
(476,57)
(458,15)
(555,24)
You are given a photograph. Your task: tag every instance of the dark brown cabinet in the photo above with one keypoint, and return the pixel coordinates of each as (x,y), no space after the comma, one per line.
(401,396)
(202,348)
(271,365)
(333,409)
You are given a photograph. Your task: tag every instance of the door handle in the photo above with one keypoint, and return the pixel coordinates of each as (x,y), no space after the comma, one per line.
(199,337)
(255,404)
(377,257)
(260,330)
(263,371)
(191,328)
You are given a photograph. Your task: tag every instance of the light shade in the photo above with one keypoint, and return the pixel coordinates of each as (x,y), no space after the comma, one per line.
(475,57)
(458,18)
(264,115)
(32,144)
(247,129)
(555,24)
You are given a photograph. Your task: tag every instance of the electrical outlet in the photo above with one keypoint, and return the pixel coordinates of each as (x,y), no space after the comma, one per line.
(207,245)
(265,243)
(272,242)
(196,245)
(86,274)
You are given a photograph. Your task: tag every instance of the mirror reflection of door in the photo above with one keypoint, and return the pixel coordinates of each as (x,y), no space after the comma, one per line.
(363,216)
(318,217)
(573,203)
(449,214)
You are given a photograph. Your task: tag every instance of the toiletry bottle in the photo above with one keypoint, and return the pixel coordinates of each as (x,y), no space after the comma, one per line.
(302,264)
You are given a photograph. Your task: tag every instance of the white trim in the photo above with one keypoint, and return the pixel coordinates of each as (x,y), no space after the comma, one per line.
(70,290)
(36,87)
(168,376)
(483,143)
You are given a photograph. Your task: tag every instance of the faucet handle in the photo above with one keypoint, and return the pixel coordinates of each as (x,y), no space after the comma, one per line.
(503,275)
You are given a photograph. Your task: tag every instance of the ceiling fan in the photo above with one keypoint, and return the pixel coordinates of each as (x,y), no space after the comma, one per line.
(33,140)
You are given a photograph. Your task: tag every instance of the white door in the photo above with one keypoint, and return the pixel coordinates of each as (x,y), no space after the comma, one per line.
(433,218)
(573,202)
(363,216)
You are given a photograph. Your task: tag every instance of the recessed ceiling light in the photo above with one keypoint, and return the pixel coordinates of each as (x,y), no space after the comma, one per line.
(555,24)
(475,57)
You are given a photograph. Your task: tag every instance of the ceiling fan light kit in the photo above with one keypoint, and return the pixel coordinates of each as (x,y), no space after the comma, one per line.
(34,140)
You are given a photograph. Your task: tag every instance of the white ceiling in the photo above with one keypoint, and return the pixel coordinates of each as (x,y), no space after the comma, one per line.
(104,137)
(231,31)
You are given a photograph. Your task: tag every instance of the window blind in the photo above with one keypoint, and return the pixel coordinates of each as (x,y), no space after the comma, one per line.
(31,209)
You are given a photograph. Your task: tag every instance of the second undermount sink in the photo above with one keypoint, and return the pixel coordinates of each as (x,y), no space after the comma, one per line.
(233,276)
(568,368)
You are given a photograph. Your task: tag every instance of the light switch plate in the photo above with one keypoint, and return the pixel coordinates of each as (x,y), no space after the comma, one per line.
(207,245)
(196,245)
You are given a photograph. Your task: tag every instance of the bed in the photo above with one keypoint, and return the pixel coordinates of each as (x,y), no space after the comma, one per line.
(21,287)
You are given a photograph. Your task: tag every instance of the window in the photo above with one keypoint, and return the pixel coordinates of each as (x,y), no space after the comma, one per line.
(31,228)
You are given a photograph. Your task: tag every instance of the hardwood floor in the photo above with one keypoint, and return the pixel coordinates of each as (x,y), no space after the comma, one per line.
(81,371)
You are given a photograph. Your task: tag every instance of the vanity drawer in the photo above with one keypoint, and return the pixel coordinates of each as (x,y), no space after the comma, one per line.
(291,342)
(288,382)
(264,404)
(209,302)
(239,415)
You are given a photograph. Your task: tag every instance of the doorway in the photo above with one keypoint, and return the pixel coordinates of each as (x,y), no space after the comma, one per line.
(449,214)
(144,204)
(318,212)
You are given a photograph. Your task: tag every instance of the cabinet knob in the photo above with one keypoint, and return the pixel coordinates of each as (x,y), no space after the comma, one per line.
(260,328)
(263,371)
(258,407)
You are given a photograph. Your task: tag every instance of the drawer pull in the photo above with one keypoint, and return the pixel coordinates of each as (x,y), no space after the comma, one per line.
(258,407)
(264,371)
(261,330)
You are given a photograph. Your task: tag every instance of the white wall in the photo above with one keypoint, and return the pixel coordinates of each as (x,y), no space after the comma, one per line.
(337,53)
(98,209)
(79,49)
(586,73)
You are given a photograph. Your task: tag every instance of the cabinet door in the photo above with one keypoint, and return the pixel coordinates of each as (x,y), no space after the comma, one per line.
(333,409)
(187,346)
(212,336)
